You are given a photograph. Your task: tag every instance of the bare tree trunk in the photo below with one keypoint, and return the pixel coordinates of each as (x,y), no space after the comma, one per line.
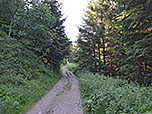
(99,56)
(10,28)
(104,55)
(13,14)
(94,51)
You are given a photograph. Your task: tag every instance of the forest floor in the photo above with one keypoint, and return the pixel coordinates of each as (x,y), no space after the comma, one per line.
(64,98)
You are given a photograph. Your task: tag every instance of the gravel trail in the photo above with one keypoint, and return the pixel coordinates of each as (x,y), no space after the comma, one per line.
(64,98)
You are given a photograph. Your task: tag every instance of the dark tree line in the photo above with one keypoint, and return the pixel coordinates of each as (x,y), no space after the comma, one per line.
(116,39)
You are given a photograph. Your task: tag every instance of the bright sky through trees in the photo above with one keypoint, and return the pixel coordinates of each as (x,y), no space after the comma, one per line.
(73,10)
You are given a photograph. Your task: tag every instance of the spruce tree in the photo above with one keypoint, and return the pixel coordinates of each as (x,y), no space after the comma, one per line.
(132,39)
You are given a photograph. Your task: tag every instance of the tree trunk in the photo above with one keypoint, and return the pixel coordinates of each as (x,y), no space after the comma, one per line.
(103,52)
(13,14)
(99,53)
(94,51)
(10,28)
(99,56)
(139,74)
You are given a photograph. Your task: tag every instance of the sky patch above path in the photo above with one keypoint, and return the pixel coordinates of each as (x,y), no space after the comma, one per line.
(73,10)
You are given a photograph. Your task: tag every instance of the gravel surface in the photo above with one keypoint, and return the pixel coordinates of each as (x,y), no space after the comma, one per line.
(64,98)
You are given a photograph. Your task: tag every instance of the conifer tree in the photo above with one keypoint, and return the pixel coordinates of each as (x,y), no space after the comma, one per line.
(132,39)
(117,36)
(94,32)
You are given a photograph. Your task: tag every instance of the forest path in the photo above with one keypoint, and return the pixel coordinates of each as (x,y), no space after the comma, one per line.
(64,98)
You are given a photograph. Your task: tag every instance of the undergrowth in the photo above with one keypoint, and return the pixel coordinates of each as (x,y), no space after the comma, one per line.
(105,95)
(72,67)
(23,77)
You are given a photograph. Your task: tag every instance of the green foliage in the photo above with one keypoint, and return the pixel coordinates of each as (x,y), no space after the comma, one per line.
(8,11)
(131,39)
(105,95)
(22,77)
(93,41)
(115,39)
(148,112)
(33,47)
(3,34)
(72,67)
(38,25)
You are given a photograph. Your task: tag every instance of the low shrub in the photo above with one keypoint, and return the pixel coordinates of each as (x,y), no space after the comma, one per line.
(72,67)
(105,95)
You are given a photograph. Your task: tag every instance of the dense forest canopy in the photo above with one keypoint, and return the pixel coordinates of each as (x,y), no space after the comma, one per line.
(38,25)
(116,39)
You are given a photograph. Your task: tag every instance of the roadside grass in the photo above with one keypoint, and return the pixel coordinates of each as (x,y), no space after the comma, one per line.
(17,100)
(106,95)
(24,78)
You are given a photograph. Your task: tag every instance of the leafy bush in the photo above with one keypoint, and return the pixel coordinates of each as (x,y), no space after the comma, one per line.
(23,77)
(72,67)
(105,95)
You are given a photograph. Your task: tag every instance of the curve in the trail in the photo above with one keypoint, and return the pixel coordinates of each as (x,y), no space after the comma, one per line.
(64,98)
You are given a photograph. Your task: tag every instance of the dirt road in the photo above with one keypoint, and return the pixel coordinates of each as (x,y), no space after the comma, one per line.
(64,98)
